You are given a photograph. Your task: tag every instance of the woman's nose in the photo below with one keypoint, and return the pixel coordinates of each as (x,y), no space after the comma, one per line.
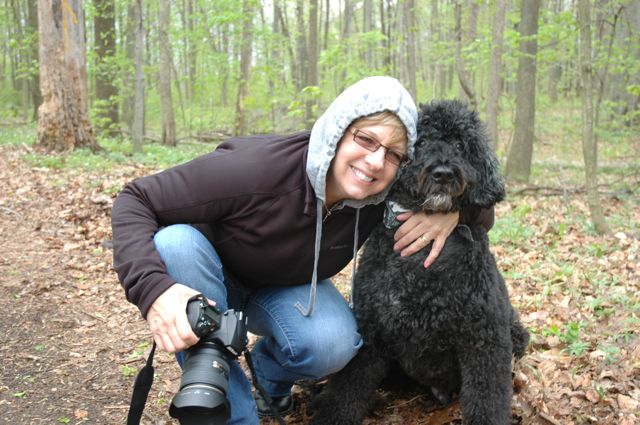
(376,159)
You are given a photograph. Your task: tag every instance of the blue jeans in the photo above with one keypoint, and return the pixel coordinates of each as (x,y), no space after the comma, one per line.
(291,347)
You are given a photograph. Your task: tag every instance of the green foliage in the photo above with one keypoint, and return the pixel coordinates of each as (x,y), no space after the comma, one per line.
(570,335)
(128,371)
(510,228)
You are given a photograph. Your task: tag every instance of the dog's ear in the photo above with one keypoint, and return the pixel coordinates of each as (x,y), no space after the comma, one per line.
(489,187)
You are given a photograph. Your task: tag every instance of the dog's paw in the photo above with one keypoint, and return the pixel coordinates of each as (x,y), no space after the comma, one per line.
(327,409)
(443,396)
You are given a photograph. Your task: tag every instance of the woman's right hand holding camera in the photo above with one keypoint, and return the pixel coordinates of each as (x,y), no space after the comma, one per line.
(168,321)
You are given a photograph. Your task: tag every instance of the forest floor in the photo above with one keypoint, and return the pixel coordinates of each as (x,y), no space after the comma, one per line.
(72,344)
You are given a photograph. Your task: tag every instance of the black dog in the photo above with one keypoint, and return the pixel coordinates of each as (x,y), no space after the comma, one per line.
(450,327)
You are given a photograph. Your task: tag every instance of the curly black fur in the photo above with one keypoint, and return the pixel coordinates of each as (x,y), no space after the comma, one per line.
(450,327)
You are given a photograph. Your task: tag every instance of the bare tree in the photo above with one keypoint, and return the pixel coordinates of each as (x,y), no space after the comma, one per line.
(495,70)
(137,127)
(63,119)
(410,52)
(166,102)
(589,145)
(463,78)
(32,19)
(438,71)
(128,72)
(313,79)
(521,151)
(245,65)
(104,30)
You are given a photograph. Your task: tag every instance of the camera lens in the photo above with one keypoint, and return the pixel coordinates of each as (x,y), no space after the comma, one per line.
(202,399)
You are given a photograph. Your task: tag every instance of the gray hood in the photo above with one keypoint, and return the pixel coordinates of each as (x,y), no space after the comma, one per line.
(367,96)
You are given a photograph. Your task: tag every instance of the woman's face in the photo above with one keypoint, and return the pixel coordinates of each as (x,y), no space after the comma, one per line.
(357,173)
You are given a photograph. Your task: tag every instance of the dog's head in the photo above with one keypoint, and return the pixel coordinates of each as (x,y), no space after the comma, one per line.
(454,165)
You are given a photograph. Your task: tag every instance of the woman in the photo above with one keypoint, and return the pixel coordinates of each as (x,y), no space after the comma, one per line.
(261,224)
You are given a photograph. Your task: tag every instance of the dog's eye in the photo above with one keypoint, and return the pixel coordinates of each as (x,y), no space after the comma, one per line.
(460,147)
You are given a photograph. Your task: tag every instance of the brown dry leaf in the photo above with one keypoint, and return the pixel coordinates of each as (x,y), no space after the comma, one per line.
(627,404)
(81,414)
(592,395)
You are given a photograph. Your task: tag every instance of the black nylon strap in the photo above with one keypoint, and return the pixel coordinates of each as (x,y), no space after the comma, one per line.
(261,389)
(141,389)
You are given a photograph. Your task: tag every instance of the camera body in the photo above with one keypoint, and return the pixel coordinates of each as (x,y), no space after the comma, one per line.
(202,399)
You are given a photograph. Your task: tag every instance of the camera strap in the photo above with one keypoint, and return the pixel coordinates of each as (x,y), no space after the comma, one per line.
(141,389)
(144,380)
(265,395)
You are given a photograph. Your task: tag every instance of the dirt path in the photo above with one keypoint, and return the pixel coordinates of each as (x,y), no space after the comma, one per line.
(72,344)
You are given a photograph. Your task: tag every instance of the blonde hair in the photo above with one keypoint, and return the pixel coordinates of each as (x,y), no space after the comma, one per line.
(385,118)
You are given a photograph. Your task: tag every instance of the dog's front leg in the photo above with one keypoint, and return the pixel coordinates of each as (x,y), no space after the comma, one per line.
(485,395)
(349,395)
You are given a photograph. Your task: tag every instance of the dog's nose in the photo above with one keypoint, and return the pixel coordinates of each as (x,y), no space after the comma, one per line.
(442,174)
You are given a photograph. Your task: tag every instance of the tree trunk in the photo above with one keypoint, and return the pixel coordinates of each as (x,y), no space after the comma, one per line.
(137,127)
(439,72)
(589,145)
(105,46)
(301,47)
(245,66)
(128,73)
(313,61)
(63,119)
(460,67)
(36,95)
(555,67)
(367,26)
(521,151)
(166,102)
(495,71)
(410,53)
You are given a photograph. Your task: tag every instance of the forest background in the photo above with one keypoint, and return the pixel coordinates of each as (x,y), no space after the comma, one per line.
(96,93)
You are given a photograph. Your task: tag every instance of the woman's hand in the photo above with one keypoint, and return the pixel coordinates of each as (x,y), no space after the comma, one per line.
(419,229)
(168,321)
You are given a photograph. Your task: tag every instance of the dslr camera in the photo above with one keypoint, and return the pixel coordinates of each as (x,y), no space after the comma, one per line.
(202,399)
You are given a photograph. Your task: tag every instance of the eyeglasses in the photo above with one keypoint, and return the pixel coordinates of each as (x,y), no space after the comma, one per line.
(372,145)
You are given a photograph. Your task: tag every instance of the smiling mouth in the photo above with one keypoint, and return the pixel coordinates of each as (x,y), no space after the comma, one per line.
(361,176)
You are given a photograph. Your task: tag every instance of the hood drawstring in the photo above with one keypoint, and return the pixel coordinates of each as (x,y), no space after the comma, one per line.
(355,258)
(316,255)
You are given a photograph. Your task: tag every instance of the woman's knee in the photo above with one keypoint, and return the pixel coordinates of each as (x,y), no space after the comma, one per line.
(191,260)
(327,349)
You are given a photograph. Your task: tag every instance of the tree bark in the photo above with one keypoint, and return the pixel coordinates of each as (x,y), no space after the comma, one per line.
(463,78)
(313,61)
(36,95)
(128,73)
(245,66)
(166,100)
(63,119)
(410,52)
(138,103)
(438,72)
(495,71)
(301,47)
(521,151)
(104,29)
(589,145)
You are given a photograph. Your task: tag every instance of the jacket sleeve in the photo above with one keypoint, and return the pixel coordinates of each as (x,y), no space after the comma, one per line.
(195,192)
(477,215)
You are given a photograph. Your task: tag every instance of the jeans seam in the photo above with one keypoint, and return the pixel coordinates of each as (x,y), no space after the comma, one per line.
(294,357)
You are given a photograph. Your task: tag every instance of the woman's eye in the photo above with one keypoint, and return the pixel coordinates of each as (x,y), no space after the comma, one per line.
(366,140)
(395,156)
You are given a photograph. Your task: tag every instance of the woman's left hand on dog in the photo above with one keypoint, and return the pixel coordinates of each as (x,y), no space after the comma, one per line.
(419,229)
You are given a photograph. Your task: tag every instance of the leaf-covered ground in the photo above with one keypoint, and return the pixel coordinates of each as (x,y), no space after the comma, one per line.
(72,344)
